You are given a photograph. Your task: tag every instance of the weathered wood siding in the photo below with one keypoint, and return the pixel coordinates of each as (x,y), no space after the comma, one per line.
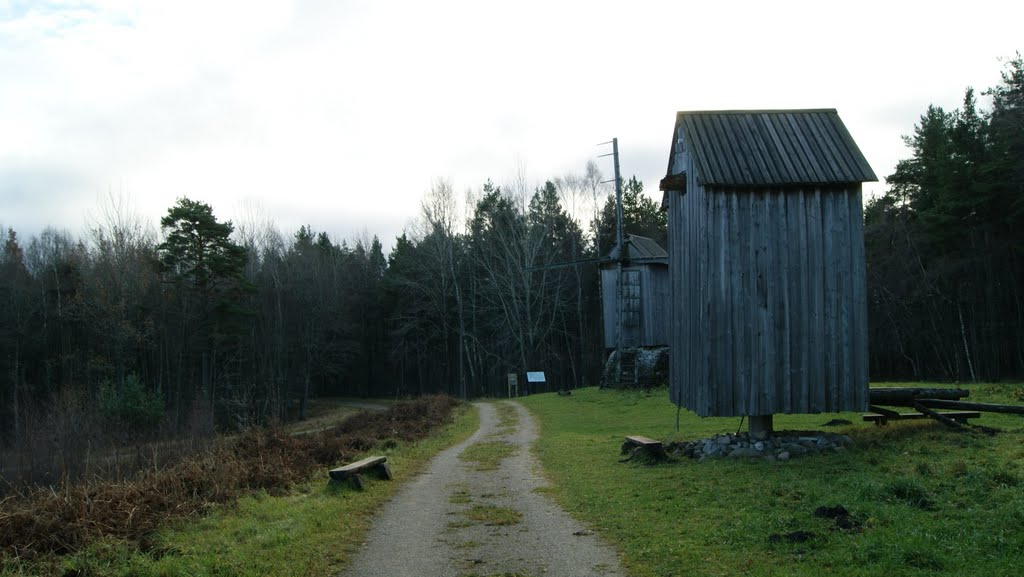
(769,311)
(610,305)
(655,301)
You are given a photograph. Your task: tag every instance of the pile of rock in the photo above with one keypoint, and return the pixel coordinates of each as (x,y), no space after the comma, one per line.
(651,368)
(779,446)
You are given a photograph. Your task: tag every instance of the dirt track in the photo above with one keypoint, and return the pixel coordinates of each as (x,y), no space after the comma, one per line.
(425,531)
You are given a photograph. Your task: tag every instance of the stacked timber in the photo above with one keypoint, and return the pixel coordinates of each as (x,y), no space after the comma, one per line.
(925,401)
(906,397)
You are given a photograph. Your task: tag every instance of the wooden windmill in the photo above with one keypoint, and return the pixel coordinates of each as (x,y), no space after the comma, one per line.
(634,294)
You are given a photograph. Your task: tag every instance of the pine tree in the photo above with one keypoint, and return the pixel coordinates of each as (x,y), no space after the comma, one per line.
(640,216)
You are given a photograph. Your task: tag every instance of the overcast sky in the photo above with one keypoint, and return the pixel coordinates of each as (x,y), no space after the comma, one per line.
(340,115)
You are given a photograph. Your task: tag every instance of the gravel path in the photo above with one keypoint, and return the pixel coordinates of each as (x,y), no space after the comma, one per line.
(426,530)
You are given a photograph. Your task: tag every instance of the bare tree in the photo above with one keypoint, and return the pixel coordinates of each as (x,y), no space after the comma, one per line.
(438,224)
(124,280)
(521,302)
(594,185)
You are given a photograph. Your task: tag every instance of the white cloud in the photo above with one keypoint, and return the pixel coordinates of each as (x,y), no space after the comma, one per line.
(341,114)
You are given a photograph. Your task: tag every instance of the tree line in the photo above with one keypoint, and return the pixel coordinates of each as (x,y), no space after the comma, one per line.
(213,323)
(945,245)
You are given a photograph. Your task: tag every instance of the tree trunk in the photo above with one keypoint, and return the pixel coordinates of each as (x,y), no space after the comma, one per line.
(305,397)
(16,378)
(578,379)
(305,384)
(963,336)
(462,338)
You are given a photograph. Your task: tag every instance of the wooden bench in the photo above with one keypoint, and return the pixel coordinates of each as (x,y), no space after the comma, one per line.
(635,441)
(378,465)
(959,416)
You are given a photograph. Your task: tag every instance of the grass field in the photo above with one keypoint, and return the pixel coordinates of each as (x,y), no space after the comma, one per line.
(923,499)
(308,531)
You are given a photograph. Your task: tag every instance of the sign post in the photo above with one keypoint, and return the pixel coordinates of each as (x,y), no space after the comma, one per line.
(534,377)
(513,385)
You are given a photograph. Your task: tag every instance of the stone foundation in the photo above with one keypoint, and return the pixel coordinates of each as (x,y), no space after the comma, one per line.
(778,446)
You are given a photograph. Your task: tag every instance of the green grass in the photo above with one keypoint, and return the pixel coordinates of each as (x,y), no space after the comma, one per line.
(928,500)
(487,456)
(507,415)
(311,531)
(493,515)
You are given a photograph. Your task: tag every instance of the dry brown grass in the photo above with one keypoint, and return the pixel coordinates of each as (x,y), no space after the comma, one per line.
(65,518)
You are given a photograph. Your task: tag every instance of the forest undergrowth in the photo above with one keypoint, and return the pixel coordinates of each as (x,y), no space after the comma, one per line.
(62,519)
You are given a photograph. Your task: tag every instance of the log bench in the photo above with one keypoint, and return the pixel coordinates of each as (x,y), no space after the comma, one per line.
(378,465)
(880,419)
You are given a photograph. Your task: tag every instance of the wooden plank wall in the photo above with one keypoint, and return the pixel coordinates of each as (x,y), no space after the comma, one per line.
(685,242)
(770,307)
(655,306)
(656,301)
(609,306)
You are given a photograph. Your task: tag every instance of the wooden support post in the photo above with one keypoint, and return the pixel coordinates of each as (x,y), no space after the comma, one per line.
(760,426)
(384,471)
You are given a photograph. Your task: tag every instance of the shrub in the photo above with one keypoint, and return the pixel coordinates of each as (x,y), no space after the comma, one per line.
(131,406)
(66,518)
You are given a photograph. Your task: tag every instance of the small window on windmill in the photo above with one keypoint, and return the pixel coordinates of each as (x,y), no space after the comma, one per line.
(631,298)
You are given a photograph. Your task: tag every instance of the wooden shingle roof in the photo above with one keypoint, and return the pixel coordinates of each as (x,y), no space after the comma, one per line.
(641,250)
(770,147)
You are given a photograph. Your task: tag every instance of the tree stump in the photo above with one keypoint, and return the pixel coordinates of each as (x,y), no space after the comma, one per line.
(643,449)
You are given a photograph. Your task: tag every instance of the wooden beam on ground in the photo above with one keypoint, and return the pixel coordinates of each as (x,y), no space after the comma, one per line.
(987,407)
(884,411)
(883,416)
(881,419)
(939,417)
(906,397)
